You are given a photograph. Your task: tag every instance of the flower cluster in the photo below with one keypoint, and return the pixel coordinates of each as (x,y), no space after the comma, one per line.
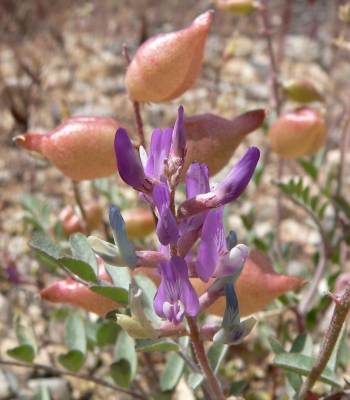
(200,216)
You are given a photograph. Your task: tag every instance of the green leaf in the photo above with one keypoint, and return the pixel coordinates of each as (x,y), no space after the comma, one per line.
(160,345)
(302,365)
(121,373)
(73,360)
(194,380)
(124,368)
(313,202)
(44,393)
(309,168)
(305,194)
(105,289)
(76,343)
(238,387)
(294,380)
(25,333)
(276,346)
(82,251)
(342,205)
(149,290)
(30,203)
(79,267)
(321,210)
(299,187)
(32,220)
(47,250)
(75,334)
(120,276)
(172,372)
(216,354)
(24,353)
(302,344)
(107,333)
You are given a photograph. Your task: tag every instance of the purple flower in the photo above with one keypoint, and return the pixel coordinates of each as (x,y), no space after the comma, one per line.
(129,166)
(176,296)
(159,151)
(167,229)
(178,145)
(214,259)
(197,182)
(229,189)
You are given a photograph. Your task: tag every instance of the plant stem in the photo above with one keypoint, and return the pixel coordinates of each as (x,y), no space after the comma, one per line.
(136,107)
(277,105)
(203,359)
(79,202)
(84,377)
(342,308)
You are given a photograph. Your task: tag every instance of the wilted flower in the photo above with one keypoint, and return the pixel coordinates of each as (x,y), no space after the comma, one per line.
(298,133)
(167,65)
(81,148)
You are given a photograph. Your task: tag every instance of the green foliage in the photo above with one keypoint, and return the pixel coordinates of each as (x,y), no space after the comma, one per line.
(108,290)
(302,365)
(28,347)
(124,367)
(160,345)
(172,372)
(74,359)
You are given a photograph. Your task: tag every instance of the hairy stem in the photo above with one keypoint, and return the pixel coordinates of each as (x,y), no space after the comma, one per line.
(342,308)
(203,359)
(85,377)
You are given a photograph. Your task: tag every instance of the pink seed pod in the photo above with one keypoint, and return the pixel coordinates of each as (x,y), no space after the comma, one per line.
(302,91)
(168,64)
(298,133)
(71,223)
(139,222)
(81,148)
(257,286)
(239,7)
(213,140)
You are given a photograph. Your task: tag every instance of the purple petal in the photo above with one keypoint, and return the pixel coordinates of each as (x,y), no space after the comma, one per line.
(231,262)
(167,229)
(197,179)
(208,253)
(129,166)
(176,296)
(237,180)
(178,145)
(159,150)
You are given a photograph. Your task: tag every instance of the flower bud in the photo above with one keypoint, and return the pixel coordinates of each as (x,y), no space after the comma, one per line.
(240,7)
(298,133)
(71,223)
(302,91)
(81,148)
(139,222)
(167,65)
(213,140)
